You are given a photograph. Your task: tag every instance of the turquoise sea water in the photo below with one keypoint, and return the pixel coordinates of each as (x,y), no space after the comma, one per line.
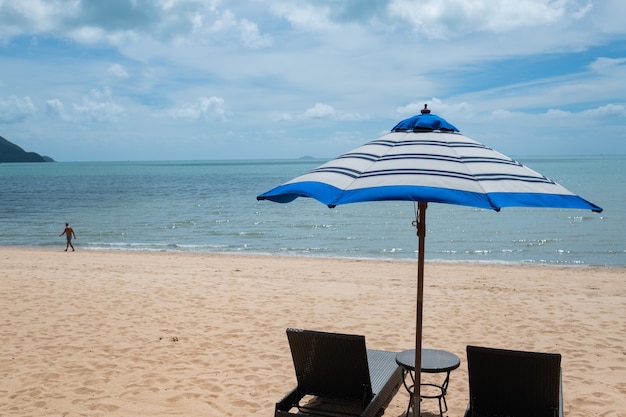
(210,206)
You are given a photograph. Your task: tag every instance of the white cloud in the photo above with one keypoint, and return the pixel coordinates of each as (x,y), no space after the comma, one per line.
(554,114)
(35,16)
(282,117)
(589,115)
(303,15)
(448,19)
(436,105)
(98,106)
(120,22)
(55,107)
(87,34)
(609,110)
(557,119)
(318,111)
(224,22)
(15,109)
(609,66)
(119,71)
(506,115)
(219,26)
(211,108)
(582,11)
(251,36)
(325,111)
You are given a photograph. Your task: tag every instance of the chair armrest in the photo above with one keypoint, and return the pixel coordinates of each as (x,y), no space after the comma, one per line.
(287,403)
(561,393)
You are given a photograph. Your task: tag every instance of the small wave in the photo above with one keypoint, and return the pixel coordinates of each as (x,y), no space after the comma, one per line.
(250,234)
(392,250)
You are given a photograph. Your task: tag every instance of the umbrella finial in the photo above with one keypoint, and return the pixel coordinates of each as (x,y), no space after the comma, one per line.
(425,110)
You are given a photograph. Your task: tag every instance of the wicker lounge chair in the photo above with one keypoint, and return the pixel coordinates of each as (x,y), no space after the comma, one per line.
(513,383)
(338,376)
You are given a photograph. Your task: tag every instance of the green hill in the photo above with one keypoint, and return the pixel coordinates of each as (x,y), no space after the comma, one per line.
(10,152)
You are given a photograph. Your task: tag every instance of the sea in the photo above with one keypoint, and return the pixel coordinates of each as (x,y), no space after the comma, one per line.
(211,207)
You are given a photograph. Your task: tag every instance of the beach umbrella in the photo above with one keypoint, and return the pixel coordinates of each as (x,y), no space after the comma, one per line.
(425,159)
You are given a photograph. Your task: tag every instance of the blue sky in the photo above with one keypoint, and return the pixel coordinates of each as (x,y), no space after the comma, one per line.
(90,80)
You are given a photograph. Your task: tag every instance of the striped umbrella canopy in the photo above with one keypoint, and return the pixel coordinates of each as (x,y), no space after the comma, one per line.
(425,159)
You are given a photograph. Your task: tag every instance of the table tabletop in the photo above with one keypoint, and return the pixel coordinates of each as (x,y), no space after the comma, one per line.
(433,360)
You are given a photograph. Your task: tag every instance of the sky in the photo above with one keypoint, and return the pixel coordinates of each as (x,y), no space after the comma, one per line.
(129,80)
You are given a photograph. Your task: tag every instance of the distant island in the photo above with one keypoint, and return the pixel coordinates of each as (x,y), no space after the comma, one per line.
(10,152)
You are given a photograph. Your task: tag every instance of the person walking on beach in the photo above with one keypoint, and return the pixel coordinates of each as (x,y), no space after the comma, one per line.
(69,233)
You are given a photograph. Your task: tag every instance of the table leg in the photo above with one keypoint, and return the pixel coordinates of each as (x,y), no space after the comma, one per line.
(440,396)
(409,388)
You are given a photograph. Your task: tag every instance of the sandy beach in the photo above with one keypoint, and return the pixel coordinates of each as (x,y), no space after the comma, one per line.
(94,333)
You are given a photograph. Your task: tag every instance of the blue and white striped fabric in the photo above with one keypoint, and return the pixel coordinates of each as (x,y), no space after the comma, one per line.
(439,166)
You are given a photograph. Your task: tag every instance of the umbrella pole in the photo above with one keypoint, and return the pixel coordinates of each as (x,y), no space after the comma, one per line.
(421,234)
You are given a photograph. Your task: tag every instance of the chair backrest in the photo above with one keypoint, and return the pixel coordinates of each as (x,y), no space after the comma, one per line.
(513,383)
(331,364)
